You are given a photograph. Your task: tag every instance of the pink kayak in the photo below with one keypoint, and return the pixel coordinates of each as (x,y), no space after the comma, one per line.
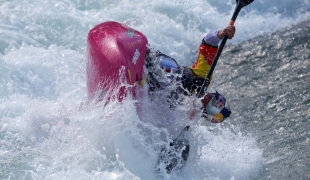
(116,55)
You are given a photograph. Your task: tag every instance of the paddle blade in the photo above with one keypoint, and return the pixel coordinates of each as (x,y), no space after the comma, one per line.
(243,3)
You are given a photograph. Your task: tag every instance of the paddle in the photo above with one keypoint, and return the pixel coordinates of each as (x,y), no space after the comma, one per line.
(240,4)
(180,146)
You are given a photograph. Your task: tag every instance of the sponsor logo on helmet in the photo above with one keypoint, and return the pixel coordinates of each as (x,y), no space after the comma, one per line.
(220,103)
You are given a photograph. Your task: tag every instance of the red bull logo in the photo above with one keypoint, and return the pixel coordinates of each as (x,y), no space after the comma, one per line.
(220,102)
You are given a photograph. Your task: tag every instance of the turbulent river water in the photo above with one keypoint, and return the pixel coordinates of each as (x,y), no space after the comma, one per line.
(48,130)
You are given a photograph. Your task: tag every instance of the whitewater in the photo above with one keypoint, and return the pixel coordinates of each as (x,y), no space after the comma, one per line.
(49,130)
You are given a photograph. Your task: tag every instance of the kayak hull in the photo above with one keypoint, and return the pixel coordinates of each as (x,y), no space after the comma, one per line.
(116,55)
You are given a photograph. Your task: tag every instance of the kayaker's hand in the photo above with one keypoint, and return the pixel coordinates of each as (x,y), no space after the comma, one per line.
(199,105)
(205,100)
(229,31)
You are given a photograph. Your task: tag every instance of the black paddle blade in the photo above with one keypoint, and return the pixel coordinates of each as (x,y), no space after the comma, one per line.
(243,3)
(175,156)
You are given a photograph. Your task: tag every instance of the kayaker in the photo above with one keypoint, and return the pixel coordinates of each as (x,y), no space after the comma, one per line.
(191,77)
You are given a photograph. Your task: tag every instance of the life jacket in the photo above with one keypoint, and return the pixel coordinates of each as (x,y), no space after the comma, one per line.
(205,58)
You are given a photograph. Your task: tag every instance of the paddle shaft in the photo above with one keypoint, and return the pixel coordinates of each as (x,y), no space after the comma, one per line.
(218,54)
(185,148)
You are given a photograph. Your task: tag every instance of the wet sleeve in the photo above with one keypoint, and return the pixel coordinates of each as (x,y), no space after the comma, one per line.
(212,39)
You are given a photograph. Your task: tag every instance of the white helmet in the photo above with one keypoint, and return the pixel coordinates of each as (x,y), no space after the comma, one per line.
(218,108)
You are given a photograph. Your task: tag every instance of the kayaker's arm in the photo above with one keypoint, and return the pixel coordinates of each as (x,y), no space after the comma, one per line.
(214,37)
(229,31)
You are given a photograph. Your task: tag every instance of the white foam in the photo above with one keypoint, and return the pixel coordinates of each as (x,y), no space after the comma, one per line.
(46,124)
